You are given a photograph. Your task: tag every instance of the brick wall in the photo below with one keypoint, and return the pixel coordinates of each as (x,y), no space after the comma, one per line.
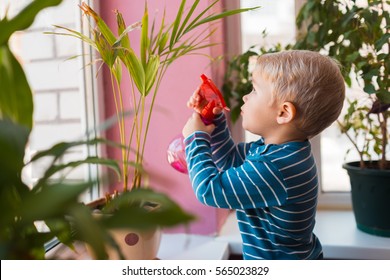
(56,82)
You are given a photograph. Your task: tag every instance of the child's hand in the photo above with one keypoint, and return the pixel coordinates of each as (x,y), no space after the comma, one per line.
(198,102)
(195,123)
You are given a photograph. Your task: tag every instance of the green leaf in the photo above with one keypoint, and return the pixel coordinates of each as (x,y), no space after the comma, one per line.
(199,16)
(187,18)
(62,229)
(384,97)
(176,24)
(117,70)
(87,228)
(163,42)
(13,141)
(51,200)
(369,88)
(105,49)
(353,56)
(16,101)
(112,164)
(220,16)
(59,149)
(136,70)
(168,213)
(24,18)
(151,71)
(122,31)
(73,33)
(381,41)
(144,47)
(157,43)
(101,24)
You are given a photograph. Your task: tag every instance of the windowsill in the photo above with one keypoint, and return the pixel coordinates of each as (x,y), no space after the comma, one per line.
(336,230)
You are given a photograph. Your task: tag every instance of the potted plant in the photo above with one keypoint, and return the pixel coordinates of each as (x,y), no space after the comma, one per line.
(53,202)
(358,37)
(161,43)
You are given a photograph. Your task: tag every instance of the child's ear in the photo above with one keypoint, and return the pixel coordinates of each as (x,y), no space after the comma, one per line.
(286,113)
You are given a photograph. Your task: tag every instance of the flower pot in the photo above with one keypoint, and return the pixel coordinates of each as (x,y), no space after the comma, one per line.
(134,244)
(370,189)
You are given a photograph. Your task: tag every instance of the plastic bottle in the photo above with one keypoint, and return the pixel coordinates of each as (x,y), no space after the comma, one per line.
(176,149)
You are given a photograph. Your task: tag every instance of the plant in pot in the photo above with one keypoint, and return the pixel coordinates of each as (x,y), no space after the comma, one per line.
(358,36)
(53,200)
(160,44)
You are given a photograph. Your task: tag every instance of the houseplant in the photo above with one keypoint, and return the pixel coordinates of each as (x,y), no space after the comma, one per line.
(358,36)
(160,43)
(52,201)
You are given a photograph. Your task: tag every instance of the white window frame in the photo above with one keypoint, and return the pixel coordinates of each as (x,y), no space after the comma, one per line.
(94,103)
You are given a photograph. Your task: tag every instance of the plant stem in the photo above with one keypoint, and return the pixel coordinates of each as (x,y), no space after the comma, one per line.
(121,126)
(362,163)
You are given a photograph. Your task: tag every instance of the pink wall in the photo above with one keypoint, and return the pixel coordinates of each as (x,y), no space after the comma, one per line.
(180,81)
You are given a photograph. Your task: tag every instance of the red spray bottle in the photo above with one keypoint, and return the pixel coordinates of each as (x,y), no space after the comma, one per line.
(214,98)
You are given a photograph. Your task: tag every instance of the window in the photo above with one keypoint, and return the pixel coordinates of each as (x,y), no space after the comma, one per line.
(277,19)
(64,90)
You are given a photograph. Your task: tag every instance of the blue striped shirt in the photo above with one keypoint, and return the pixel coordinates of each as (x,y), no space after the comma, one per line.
(272,187)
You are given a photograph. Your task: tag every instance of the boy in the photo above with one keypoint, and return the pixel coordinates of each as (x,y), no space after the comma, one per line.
(272,183)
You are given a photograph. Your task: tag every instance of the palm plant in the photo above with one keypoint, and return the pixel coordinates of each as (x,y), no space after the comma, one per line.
(160,45)
(53,201)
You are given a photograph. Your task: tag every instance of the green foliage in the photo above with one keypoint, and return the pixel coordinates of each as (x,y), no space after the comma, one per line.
(359,38)
(160,45)
(53,200)
(363,132)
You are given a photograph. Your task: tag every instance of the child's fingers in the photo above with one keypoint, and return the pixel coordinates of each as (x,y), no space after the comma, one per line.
(193,102)
(217,110)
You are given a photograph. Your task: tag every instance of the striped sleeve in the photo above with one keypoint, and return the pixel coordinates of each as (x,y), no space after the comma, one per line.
(225,152)
(253,184)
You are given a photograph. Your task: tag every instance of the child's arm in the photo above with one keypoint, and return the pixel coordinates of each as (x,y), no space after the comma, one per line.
(225,152)
(254,184)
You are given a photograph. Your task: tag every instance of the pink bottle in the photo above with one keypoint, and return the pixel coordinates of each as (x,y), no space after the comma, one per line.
(176,149)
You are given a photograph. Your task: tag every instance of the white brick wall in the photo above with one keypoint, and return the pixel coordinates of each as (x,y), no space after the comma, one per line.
(56,82)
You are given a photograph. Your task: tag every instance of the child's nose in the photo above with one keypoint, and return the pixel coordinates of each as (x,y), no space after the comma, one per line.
(245,97)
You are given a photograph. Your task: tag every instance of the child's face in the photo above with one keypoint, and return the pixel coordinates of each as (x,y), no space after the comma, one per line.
(258,112)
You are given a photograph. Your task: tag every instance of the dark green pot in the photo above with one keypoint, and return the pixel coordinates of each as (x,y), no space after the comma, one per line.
(370,189)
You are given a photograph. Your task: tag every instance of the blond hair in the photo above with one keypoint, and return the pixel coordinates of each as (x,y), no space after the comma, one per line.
(309,80)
